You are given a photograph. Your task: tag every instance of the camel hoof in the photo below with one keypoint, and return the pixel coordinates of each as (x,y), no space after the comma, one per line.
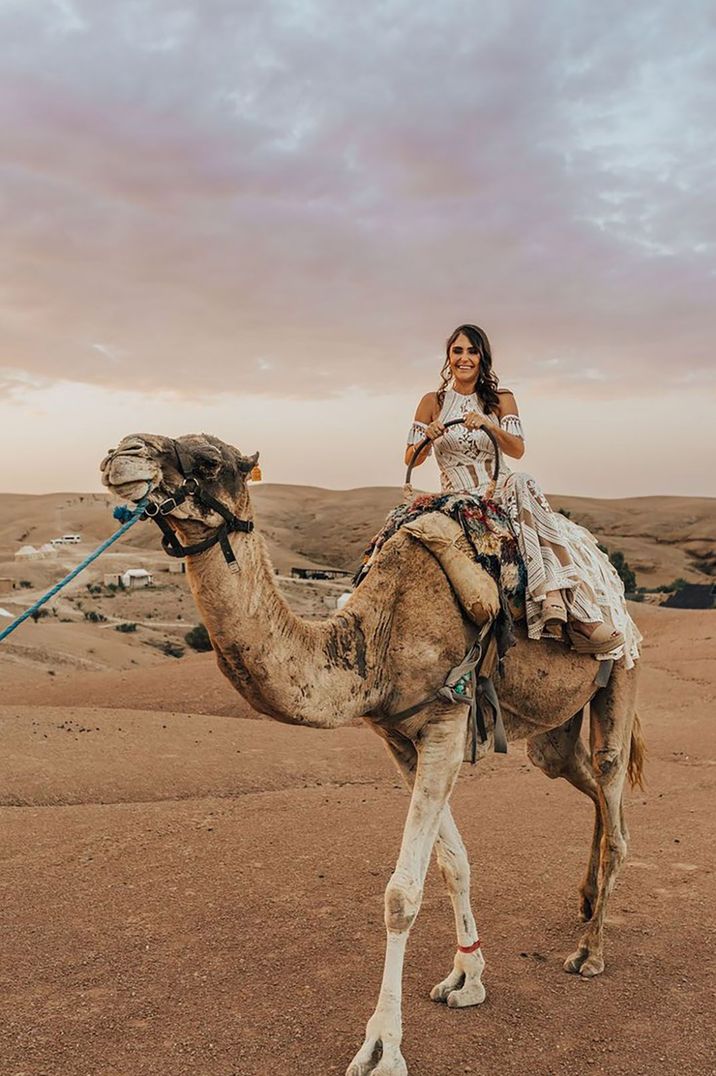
(594,965)
(574,962)
(443,990)
(471,994)
(375,1059)
(366,1059)
(393,1066)
(463,985)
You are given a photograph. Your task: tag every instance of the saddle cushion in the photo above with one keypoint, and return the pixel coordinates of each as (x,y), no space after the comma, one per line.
(490,539)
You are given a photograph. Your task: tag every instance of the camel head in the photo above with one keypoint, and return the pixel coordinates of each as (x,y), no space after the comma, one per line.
(149,465)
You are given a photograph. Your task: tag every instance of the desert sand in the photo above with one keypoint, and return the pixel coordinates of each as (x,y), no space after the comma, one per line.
(188,888)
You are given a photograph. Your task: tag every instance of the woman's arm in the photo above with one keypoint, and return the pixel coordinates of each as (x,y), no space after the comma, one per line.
(509,434)
(425,414)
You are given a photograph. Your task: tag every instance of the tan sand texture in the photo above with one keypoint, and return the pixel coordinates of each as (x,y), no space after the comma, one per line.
(187,889)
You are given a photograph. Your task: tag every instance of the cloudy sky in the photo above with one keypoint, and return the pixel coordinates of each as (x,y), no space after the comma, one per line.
(263,219)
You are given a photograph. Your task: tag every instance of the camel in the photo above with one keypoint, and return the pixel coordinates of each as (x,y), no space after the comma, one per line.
(388,647)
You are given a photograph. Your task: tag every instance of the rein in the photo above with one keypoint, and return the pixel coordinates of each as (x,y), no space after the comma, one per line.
(191,487)
(409,492)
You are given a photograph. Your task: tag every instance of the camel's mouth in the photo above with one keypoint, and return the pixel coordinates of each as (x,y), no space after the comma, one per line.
(129,473)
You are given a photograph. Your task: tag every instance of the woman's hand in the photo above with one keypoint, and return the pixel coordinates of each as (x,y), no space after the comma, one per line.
(474,421)
(435,429)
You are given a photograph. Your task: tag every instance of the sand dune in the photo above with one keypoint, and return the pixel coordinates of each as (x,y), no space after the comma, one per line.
(663,537)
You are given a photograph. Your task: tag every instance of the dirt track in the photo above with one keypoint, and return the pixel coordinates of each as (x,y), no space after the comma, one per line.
(201,895)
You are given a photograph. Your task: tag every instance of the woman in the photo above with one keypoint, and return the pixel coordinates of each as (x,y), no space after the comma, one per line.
(570,582)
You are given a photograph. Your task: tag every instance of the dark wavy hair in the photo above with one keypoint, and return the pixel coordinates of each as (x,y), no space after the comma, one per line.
(487,381)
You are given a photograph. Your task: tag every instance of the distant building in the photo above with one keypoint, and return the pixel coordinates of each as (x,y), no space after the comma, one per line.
(134,578)
(318,573)
(67,539)
(177,567)
(692,596)
(112,579)
(29,552)
(6,585)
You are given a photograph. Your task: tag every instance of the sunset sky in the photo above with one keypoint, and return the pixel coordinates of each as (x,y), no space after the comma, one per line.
(262,219)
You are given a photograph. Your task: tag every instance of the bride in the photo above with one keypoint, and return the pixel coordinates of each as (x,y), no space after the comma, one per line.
(571,584)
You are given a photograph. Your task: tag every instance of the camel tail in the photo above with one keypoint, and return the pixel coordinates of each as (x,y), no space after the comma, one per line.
(637,755)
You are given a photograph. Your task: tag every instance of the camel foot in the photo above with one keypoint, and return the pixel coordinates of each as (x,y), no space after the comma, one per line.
(376,1059)
(463,985)
(584,963)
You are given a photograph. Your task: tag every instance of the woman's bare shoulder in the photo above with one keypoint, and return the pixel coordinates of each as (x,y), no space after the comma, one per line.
(428,408)
(507,403)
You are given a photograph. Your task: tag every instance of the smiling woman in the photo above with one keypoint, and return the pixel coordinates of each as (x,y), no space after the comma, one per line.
(570,582)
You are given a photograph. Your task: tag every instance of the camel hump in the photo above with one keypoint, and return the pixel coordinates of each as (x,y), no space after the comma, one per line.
(476,591)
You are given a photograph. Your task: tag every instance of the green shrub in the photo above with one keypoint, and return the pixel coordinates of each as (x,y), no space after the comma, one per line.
(94,617)
(171,649)
(25,584)
(127,627)
(625,573)
(198,638)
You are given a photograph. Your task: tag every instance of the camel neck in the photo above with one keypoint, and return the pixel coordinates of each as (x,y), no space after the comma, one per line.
(297,671)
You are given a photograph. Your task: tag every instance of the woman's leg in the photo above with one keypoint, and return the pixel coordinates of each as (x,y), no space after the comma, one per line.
(560,565)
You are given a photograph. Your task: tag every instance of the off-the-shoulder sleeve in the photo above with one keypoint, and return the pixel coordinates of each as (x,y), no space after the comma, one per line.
(417,434)
(512,424)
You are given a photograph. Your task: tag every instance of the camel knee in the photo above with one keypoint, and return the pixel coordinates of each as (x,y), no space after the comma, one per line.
(402,903)
(551,764)
(615,849)
(606,762)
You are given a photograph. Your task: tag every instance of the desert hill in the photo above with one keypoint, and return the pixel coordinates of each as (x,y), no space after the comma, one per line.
(94,628)
(661,537)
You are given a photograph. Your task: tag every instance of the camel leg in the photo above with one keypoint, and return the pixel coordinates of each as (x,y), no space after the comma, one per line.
(561,753)
(612,716)
(440,751)
(463,986)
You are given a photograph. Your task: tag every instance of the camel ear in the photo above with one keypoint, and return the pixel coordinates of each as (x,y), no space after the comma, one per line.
(247,463)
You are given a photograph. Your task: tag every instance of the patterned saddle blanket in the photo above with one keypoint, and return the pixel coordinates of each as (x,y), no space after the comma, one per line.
(491,538)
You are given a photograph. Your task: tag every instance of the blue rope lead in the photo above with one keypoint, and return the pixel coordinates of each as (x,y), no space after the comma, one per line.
(127,517)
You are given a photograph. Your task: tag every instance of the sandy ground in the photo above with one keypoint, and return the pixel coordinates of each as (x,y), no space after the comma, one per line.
(189,893)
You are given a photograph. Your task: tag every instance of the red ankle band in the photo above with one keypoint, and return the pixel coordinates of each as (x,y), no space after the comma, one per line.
(469,948)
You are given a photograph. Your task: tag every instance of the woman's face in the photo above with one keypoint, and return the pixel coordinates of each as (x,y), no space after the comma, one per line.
(464,362)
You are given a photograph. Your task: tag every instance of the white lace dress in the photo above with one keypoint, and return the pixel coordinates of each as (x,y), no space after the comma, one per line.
(558,553)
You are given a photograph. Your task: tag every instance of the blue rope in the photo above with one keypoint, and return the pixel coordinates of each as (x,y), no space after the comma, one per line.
(127,517)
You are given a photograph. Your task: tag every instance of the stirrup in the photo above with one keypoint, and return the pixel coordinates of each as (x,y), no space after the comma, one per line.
(603,639)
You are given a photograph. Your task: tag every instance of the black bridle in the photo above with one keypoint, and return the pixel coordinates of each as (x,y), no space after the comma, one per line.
(191,487)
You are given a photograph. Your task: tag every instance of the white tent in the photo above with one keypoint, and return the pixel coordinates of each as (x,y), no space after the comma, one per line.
(26,553)
(136,577)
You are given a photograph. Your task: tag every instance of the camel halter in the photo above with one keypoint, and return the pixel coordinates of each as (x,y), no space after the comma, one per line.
(191,487)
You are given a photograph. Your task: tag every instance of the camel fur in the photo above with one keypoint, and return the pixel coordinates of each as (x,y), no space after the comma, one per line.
(390,646)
